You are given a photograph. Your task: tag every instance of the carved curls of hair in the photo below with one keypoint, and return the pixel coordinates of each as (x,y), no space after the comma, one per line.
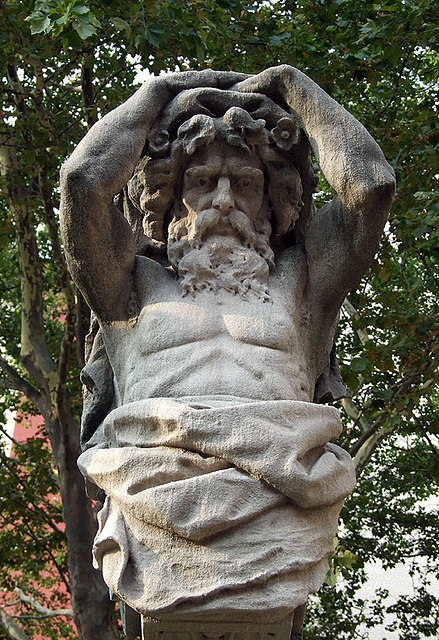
(156,182)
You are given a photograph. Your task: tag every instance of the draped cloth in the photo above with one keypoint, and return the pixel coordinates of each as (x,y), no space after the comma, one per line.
(217,508)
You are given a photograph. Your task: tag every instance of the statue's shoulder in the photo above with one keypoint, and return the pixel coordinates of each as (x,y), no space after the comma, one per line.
(153,281)
(290,278)
(291,263)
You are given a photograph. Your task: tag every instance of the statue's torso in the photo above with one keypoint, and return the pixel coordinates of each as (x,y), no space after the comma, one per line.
(214,344)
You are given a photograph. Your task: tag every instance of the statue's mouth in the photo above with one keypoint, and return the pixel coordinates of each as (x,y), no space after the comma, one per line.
(233,223)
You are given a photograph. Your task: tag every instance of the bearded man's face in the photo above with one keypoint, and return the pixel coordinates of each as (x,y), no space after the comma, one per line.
(216,233)
(223,192)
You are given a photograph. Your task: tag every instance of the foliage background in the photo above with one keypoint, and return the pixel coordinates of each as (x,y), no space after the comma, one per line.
(64,63)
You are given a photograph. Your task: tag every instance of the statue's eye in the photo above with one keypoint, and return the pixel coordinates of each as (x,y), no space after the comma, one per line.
(243,183)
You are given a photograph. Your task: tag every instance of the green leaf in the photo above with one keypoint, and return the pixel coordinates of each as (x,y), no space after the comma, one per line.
(152,34)
(80,9)
(121,25)
(39,22)
(331,578)
(359,364)
(420,231)
(84,27)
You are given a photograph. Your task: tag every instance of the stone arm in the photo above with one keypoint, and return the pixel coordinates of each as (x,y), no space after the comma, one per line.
(342,238)
(98,240)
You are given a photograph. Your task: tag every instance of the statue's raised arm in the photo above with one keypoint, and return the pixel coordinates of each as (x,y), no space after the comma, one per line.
(342,238)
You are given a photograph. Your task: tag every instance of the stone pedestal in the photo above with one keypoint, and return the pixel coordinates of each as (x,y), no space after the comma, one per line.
(221,630)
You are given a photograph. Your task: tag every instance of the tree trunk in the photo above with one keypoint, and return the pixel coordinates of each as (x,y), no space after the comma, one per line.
(93,611)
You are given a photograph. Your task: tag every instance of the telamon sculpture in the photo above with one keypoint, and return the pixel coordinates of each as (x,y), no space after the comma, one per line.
(189,225)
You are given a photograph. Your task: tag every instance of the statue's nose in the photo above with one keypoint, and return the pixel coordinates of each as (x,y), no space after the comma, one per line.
(223,199)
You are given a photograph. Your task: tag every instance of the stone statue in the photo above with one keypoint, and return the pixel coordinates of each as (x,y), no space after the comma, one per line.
(189,225)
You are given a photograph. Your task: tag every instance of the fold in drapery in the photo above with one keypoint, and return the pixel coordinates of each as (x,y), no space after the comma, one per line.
(217,509)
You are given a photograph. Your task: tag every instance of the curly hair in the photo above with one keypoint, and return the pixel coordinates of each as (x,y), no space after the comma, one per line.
(195,118)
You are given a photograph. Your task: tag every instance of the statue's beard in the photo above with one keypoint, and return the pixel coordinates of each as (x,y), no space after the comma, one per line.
(211,252)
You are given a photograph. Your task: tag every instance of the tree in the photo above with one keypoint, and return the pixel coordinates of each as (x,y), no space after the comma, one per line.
(64,64)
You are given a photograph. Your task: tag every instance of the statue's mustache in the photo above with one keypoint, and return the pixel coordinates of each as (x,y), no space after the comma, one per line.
(211,219)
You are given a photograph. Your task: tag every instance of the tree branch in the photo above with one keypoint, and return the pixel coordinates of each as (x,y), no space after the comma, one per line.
(353,314)
(37,95)
(88,90)
(401,267)
(63,70)
(44,611)
(18,383)
(15,92)
(30,531)
(369,446)
(357,415)
(31,497)
(399,73)
(63,275)
(15,442)
(17,89)
(365,446)
(10,627)
(34,352)
(433,449)
(402,388)
(428,269)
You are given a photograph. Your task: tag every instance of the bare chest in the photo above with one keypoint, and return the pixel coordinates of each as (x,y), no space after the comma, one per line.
(169,324)
(167,320)
(213,344)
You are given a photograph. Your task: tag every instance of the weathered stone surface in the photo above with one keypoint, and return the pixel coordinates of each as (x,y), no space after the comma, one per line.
(241,529)
(221,630)
(189,224)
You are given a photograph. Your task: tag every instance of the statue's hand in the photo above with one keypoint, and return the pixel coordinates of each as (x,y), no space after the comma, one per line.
(158,91)
(144,107)
(271,82)
(177,82)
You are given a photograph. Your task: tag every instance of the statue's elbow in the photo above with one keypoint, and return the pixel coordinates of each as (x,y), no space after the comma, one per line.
(385,192)
(378,196)
(75,181)
(389,182)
